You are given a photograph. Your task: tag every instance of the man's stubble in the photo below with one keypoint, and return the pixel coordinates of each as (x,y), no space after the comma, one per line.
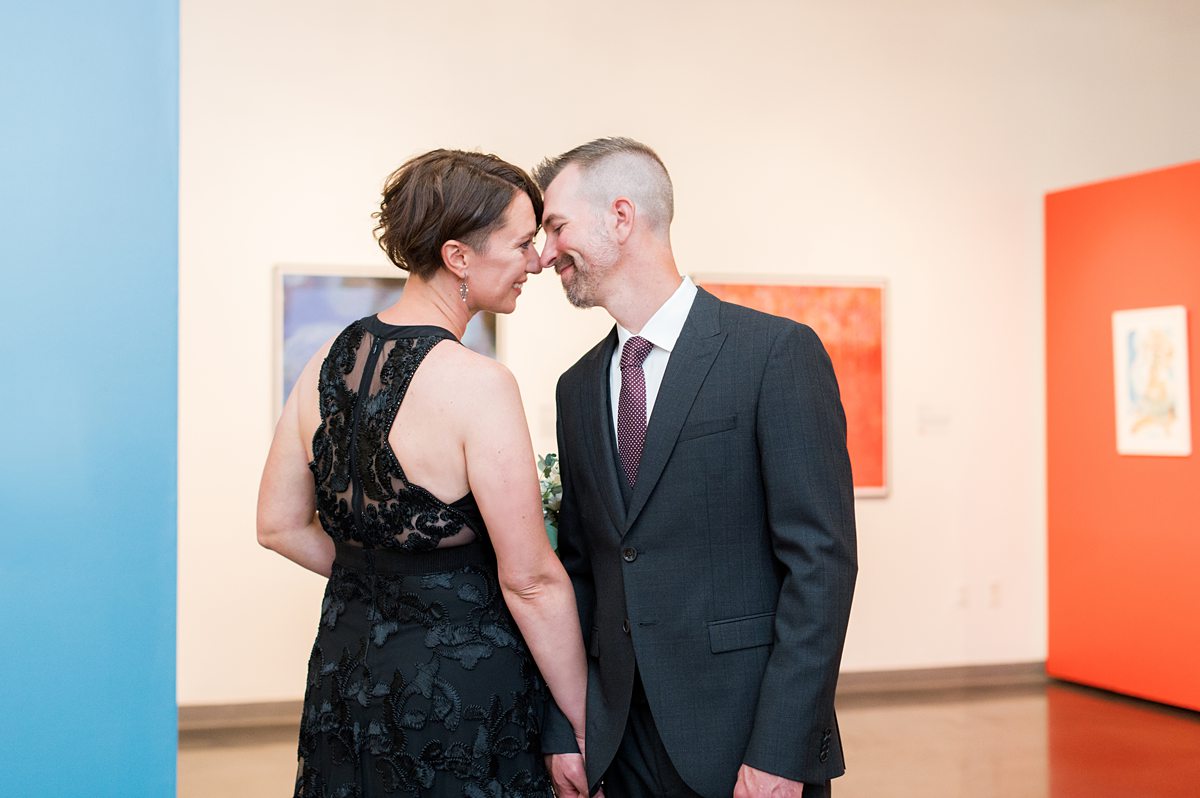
(583,288)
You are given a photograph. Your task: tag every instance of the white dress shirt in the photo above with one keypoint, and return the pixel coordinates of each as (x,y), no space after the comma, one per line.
(662,330)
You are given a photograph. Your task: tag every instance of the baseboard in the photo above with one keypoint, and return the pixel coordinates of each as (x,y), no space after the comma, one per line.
(204,717)
(943,680)
(858,686)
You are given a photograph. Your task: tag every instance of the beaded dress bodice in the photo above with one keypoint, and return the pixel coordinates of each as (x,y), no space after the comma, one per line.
(363,495)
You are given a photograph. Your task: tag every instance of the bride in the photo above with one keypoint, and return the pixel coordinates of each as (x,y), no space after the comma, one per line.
(402,469)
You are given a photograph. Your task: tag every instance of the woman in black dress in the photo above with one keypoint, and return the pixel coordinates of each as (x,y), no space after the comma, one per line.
(402,469)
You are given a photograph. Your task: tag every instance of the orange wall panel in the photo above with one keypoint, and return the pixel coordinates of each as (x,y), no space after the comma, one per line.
(1124,531)
(849,320)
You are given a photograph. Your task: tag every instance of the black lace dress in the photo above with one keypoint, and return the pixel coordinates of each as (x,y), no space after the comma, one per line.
(419,681)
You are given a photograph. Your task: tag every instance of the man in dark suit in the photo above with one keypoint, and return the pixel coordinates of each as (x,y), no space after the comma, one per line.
(707,519)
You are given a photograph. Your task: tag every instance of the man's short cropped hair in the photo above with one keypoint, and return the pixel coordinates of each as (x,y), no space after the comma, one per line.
(618,167)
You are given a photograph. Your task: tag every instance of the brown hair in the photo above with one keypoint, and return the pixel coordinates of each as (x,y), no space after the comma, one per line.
(444,195)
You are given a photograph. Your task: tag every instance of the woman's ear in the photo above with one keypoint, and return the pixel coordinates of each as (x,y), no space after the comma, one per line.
(455,257)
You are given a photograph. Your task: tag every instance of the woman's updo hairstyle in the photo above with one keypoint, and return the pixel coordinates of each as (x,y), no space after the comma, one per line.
(444,195)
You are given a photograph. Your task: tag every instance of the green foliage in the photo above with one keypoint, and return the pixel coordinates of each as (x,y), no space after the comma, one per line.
(551,484)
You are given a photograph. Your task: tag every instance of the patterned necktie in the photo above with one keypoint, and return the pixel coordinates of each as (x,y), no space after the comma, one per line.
(631,408)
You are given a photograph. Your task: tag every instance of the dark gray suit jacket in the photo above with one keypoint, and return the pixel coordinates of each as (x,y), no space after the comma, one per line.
(728,577)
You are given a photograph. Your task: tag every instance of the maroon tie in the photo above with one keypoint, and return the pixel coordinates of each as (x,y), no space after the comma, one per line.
(631,408)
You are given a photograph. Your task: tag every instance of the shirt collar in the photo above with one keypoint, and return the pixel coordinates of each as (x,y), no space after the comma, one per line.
(666,324)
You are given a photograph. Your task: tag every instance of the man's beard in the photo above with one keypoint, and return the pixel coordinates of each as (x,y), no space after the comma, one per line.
(584,285)
(581,288)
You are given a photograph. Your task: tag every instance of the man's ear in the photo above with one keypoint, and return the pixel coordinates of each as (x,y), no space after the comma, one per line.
(623,214)
(456,257)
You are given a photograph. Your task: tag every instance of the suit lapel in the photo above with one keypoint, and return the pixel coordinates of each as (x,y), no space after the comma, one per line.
(693,356)
(597,422)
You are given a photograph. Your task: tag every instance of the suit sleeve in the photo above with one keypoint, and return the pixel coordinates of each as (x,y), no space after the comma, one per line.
(801,430)
(557,734)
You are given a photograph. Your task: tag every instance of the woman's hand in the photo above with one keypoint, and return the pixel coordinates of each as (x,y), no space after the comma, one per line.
(568,774)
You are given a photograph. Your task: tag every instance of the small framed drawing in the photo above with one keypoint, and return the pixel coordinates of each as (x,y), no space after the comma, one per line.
(849,318)
(1150,367)
(315,303)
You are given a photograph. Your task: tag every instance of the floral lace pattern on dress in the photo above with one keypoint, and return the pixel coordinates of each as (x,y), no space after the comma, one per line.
(370,728)
(363,494)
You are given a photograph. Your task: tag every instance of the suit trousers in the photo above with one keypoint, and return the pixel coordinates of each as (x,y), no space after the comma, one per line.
(642,768)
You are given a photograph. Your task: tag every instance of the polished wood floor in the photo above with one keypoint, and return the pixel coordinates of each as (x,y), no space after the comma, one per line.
(1057,741)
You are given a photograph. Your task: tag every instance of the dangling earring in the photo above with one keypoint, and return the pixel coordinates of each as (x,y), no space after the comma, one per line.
(462,288)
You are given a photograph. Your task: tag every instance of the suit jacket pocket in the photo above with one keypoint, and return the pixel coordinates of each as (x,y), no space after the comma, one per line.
(707,426)
(745,632)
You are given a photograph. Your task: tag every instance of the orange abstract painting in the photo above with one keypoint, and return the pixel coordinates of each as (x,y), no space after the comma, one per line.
(849,320)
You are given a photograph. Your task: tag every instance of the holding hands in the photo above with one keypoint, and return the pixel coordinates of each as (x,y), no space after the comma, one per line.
(568,774)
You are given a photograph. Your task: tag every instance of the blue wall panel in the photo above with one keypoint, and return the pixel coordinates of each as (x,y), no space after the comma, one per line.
(88,374)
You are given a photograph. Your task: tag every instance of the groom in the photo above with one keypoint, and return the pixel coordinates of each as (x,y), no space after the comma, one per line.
(707,519)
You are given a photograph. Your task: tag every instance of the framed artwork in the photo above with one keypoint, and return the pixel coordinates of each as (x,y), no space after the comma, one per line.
(1150,368)
(315,303)
(849,318)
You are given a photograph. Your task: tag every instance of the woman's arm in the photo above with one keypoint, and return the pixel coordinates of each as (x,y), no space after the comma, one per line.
(287,504)
(503,479)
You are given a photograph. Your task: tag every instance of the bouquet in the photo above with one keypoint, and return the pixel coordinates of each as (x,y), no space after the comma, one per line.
(551,484)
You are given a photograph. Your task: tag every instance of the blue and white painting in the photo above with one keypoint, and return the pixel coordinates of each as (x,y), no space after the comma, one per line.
(1150,358)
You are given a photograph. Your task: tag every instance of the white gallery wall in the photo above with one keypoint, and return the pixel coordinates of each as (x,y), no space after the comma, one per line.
(906,141)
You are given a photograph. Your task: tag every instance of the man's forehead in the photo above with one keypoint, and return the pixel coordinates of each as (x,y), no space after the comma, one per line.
(567,180)
(561,192)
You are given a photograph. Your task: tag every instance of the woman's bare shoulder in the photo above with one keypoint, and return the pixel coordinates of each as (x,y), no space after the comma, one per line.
(473,367)
(478,381)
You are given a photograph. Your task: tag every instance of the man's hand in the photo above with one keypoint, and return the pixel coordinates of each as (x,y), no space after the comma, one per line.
(568,775)
(753,783)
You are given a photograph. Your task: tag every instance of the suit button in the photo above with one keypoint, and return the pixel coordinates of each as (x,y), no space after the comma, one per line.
(625,626)
(824,757)
(629,554)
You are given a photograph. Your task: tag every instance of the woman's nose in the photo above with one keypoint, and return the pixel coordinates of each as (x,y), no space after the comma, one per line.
(549,253)
(533,263)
